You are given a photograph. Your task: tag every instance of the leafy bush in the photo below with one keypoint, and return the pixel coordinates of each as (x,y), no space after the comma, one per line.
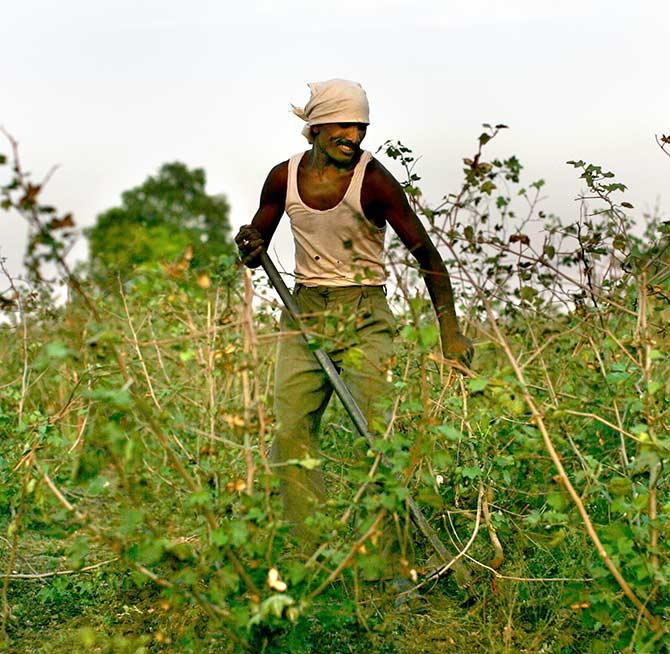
(136,423)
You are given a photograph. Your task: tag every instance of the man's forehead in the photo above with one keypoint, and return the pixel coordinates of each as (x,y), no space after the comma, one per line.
(344,124)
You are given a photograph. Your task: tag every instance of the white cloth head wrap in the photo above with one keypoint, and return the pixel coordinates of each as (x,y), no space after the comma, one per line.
(334,101)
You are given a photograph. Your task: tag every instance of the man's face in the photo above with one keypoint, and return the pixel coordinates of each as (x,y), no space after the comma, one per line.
(340,142)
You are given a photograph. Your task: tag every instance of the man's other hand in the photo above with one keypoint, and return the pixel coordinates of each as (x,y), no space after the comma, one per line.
(250,244)
(457,346)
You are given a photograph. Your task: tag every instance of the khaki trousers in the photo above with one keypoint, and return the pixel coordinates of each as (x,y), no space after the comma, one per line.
(355,326)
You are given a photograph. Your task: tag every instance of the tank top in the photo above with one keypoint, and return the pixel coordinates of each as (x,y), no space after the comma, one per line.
(337,246)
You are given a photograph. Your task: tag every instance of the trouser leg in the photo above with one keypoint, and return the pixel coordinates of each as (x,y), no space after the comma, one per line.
(367,377)
(366,373)
(302,389)
(302,392)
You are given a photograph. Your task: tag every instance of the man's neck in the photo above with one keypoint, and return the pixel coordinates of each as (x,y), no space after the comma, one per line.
(322,164)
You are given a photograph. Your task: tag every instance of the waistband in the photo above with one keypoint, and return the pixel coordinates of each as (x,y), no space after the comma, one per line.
(339,291)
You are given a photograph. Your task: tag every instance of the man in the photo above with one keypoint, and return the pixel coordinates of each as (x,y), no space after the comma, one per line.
(339,199)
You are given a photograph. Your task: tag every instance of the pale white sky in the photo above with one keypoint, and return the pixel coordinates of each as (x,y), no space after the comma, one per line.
(111,90)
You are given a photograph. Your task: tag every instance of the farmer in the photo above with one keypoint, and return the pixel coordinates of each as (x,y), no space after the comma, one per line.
(339,199)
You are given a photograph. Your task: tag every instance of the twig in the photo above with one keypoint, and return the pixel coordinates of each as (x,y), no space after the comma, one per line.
(607,423)
(499,553)
(250,352)
(138,350)
(24,341)
(662,142)
(346,560)
(58,573)
(16,524)
(442,570)
(498,575)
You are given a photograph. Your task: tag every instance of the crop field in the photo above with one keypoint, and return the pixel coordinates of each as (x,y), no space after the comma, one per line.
(139,506)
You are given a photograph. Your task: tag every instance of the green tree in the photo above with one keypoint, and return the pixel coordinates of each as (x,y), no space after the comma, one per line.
(158,220)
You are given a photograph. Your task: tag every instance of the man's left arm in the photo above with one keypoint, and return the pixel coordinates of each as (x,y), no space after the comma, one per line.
(382,199)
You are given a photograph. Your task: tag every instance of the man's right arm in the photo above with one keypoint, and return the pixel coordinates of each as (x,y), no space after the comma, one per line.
(252,239)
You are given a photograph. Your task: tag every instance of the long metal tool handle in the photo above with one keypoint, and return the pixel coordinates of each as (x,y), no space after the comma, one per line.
(347,399)
(340,388)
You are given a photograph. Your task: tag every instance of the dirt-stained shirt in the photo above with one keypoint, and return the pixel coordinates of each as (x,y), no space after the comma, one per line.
(337,246)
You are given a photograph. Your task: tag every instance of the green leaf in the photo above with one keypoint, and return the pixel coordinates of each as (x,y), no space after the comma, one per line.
(655,355)
(149,552)
(619,243)
(372,566)
(220,537)
(78,552)
(308,462)
(130,520)
(238,532)
(471,472)
(57,350)
(273,606)
(527,293)
(487,187)
(295,572)
(199,498)
(556,501)
(429,335)
(478,384)
(451,433)
(654,387)
(549,251)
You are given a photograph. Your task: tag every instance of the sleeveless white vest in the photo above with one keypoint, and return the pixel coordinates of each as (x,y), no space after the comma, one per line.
(338,246)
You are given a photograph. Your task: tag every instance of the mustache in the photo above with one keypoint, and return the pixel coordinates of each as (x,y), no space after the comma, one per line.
(347,143)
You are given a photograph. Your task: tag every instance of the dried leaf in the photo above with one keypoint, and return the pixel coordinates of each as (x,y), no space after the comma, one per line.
(519,238)
(234,421)
(236,486)
(61,223)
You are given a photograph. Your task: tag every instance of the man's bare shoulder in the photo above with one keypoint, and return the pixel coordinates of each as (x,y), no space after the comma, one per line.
(279,174)
(274,189)
(376,172)
(379,185)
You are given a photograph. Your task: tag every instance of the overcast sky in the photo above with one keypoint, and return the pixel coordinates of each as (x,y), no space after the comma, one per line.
(111,90)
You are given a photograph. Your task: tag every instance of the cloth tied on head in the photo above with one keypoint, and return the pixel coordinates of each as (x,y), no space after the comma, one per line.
(334,101)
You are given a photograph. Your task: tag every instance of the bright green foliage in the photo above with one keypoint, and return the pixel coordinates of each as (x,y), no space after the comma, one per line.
(151,415)
(158,220)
